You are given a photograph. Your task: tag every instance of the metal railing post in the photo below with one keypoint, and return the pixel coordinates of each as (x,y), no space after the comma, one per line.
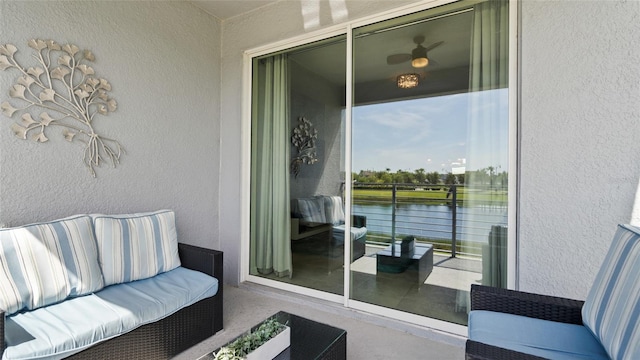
(393,220)
(454,218)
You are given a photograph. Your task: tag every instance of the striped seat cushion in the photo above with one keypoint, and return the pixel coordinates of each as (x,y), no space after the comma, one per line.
(136,246)
(45,263)
(612,308)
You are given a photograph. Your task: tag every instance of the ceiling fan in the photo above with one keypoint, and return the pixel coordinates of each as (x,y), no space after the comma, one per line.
(418,55)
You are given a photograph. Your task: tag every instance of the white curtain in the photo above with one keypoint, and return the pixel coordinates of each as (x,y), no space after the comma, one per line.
(487,137)
(270,248)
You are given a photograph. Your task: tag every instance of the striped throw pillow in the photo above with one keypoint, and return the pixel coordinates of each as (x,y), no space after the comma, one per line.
(612,308)
(47,262)
(333,210)
(136,246)
(312,209)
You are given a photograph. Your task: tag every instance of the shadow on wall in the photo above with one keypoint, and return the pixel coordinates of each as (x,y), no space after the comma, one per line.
(635,213)
(311,12)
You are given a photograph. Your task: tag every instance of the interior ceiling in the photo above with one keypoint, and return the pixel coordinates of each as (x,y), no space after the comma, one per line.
(447,72)
(224,9)
(375,80)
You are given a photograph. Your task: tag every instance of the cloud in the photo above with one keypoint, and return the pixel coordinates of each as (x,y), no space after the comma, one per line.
(404,134)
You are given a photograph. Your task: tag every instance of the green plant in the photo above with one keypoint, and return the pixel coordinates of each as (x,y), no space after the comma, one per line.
(239,348)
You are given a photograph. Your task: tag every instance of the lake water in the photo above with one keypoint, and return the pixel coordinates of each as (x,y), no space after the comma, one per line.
(433,221)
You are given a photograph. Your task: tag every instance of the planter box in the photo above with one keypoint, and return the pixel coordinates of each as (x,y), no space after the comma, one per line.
(268,350)
(273,347)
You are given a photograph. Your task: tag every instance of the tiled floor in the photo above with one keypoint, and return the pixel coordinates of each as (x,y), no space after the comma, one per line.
(369,337)
(443,296)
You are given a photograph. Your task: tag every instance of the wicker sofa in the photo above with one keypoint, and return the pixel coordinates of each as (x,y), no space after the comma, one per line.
(508,324)
(153,311)
(328,210)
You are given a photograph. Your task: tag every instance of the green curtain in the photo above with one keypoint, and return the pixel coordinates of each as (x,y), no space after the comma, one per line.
(487,137)
(270,246)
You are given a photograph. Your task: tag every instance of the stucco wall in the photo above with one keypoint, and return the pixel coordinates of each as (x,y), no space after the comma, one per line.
(162,60)
(580,126)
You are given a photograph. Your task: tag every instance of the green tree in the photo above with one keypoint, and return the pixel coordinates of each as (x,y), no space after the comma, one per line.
(433,178)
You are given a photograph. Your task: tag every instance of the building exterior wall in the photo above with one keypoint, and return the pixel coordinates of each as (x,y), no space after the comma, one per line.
(580,121)
(162,60)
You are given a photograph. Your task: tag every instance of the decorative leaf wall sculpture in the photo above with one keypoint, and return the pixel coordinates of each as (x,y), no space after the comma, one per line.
(63,88)
(304,139)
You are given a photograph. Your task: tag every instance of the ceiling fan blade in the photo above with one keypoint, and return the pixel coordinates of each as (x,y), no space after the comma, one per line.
(434,45)
(398,58)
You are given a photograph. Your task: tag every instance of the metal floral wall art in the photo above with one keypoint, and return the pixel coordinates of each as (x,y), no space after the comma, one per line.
(63,91)
(304,139)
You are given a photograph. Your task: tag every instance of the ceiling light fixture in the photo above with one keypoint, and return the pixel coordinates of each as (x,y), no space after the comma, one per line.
(419,57)
(408,81)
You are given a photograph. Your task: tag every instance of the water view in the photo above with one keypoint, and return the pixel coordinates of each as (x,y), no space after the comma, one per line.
(431,222)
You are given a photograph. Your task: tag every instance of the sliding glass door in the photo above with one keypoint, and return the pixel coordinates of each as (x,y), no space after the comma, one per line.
(422,211)
(297,175)
(430,158)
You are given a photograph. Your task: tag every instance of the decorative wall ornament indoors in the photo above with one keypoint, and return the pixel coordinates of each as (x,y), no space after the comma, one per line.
(62,90)
(304,139)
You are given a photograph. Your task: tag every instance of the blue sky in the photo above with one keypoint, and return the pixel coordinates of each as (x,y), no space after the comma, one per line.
(428,133)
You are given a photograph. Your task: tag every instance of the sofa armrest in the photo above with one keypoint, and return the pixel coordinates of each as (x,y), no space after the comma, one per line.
(359,221)
(2,344)
(478,351)
(209,262)
(200,259)
(526,304)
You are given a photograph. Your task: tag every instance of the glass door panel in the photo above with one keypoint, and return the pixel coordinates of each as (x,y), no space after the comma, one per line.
(297,174)
(430,158)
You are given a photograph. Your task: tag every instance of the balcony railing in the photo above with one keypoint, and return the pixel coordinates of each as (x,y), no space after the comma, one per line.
(456,219)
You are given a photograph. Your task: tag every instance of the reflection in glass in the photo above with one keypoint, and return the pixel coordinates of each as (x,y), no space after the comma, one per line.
(430,162)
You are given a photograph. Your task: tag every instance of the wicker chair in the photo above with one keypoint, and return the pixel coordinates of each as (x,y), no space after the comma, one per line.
(508,324)
(173,334)
(518,303)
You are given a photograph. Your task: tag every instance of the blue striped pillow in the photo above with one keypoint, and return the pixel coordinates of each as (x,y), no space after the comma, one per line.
(612,308)
(136,246)
(333,209)
(47,262)
(312,209)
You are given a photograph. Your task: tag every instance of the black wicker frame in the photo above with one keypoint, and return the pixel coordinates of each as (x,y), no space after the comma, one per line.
(173,334)
(518,303)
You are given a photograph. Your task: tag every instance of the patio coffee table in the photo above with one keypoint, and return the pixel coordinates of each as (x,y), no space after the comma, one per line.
(309,340)
(417,264)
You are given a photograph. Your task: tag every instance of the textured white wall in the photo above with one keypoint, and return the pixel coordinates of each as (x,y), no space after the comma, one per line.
(580,127)
(162,60)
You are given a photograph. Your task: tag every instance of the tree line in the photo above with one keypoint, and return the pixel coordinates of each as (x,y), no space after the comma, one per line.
(486,176)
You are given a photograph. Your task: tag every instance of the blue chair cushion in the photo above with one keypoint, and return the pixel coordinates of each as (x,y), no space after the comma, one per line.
(612,308)
(65,328)
(543,338)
